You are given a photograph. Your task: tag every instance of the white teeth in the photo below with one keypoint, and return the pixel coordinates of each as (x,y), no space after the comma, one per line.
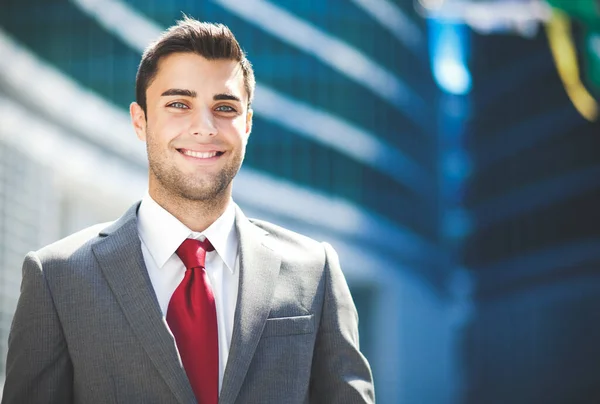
(200,155)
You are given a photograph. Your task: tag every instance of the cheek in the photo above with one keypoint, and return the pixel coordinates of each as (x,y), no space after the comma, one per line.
(238,126)
(164,129)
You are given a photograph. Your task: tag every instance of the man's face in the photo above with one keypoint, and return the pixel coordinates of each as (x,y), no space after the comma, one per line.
(196,127)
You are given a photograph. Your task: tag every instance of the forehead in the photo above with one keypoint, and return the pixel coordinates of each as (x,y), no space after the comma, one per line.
(191,71)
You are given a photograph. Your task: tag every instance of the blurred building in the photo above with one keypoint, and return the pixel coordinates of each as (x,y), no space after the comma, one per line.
(534,250)
(527,136)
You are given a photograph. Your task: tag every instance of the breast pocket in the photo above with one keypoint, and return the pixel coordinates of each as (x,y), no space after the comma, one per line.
(281,326)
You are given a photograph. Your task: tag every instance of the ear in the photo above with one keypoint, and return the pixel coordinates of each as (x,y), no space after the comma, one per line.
(138,119)
(249,115)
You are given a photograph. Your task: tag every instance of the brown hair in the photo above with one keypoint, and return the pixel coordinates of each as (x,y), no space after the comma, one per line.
(212,41)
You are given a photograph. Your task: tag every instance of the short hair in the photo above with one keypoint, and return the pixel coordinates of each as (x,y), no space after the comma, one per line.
(212,41)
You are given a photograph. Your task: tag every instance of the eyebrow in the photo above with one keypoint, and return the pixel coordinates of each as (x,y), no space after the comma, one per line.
(190,93)
(180,92)
(225,96)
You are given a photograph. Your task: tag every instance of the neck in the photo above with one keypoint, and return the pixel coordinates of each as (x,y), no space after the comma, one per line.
(197,215)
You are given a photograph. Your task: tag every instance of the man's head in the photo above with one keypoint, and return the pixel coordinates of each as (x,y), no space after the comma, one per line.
(212,41)
(194,88)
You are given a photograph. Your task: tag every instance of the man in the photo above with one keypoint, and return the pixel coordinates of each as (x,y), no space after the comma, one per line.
(183,299)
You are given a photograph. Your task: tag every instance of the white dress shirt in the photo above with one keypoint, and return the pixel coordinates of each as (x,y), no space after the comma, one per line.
(161,234)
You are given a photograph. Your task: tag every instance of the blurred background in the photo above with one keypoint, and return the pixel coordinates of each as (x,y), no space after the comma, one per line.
(448,149)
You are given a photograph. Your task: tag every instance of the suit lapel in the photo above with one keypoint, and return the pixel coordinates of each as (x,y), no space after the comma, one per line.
(120,256)
(259,268)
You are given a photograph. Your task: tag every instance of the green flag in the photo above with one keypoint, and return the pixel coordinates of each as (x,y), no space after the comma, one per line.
(584,11)
(587,13)
(592,60)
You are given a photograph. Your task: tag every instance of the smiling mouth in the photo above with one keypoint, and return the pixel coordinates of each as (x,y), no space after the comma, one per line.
(200,155)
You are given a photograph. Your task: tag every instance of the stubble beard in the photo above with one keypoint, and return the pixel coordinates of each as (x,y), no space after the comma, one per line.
(180,186)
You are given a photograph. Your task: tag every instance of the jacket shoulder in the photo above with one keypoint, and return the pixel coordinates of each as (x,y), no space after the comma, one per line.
(66,247)
(291,244)
(285,234)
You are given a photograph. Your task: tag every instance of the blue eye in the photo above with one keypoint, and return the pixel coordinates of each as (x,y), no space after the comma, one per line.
(179,105)
(225,108)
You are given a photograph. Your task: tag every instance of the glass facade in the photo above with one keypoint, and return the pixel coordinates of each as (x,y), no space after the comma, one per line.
(533,252)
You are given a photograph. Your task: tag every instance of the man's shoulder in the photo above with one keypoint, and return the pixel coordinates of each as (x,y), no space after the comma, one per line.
(284,234)
(78,245)
(69,245)
(289,242)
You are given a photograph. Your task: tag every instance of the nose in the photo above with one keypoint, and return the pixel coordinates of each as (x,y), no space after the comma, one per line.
(202,123)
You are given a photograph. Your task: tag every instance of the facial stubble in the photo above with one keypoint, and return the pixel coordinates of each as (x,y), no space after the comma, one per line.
(202,187)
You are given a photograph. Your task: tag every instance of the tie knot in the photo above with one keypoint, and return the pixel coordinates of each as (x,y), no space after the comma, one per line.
(193,252)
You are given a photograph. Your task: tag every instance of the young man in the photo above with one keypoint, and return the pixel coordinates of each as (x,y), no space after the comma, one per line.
(183,299)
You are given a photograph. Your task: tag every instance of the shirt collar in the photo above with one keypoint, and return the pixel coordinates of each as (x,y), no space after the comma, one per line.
(163,233)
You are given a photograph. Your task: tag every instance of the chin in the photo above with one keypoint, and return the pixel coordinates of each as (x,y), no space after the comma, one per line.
(203,193)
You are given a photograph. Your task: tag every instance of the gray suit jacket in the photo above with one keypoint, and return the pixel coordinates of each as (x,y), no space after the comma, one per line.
(88,328)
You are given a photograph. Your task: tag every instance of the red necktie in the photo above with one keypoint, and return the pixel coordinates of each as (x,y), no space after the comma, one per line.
(192,317)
